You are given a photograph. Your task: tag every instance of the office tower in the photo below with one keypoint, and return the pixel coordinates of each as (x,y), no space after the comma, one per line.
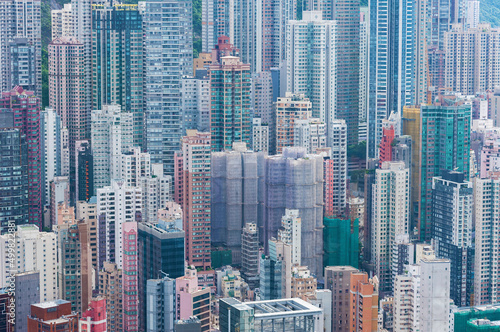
(260,136)
(294,180)
(192,192)
(117,61)
(445,145)
(392,68)
(24,107)
(364,61)
(452,231)
(94,319)
(52,316)
(110,287)
(422,296)
(22,57)
(361,291)
(67,93)
(268,315)
(486,210)
(341,242)
(192,300)
(313,76)
(236,181)
(130,277)
(262,93)
(117,204)
(250,254)
(290,233)
(472,14)
(163,68)
(231,118)
(50,146)
(59,193)
(161,250)
(310,133)
(27,285)
(112,135)
(62,21)
(391,221)
(20,19)
(37,252)
(276,271)
(85,175)
(75,263)
(160,307)
(482,71)
(289,109)
(14,178)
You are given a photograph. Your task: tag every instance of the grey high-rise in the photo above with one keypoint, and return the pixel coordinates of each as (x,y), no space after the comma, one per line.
(237,180)
(171,21)
(294,180)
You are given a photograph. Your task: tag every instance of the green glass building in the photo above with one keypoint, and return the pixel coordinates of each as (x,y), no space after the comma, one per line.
(445,145)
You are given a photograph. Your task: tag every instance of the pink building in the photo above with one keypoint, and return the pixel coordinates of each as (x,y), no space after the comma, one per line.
(192,192)
(94,319)
(67,93)
(130,274)
(385,152)
(192,299)
(490,157)
(26,112)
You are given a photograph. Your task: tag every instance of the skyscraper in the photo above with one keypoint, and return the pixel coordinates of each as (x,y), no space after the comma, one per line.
(117,61)
(163,67)
(110,287)
(130,282)
(391,64)
(67,93)
(23,63)
(445,145)
(452,232)
(62,21)
(486,210)
(230,90)
(50,146)
(160,312)
(192,192)
(391,221)
(20,18)
(250,254)
(25,109)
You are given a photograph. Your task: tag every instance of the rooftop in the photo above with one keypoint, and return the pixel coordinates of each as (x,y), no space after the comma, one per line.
(271,309)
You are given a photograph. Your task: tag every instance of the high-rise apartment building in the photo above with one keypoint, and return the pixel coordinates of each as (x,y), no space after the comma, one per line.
(52,316)
(311,63)
(480,46)
(294,180)
(250,254)
(355,299)
(260,136)
(192,300)
(391,220)
(87,211)
(236,180)
(116,205)
(161,306)
(444,145)
(94,319)
(24,107)
(192,192)
(364,61)
(276,271)
(230,90)
(22,57)
(262,96)
(452,231)
(67,93)
(310,134)
(112,135)
(288,109)
(486,210)
(472,14)
(163,68)
(50,146)
(29,283)
(85,171)
(110,287)
(341,242)
(117,61)
(130,282)
(62,21)
(14,178)
(391,65)
(37,252)
(20,19)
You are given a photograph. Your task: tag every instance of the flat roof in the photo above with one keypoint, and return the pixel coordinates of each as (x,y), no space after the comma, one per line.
(271,309)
